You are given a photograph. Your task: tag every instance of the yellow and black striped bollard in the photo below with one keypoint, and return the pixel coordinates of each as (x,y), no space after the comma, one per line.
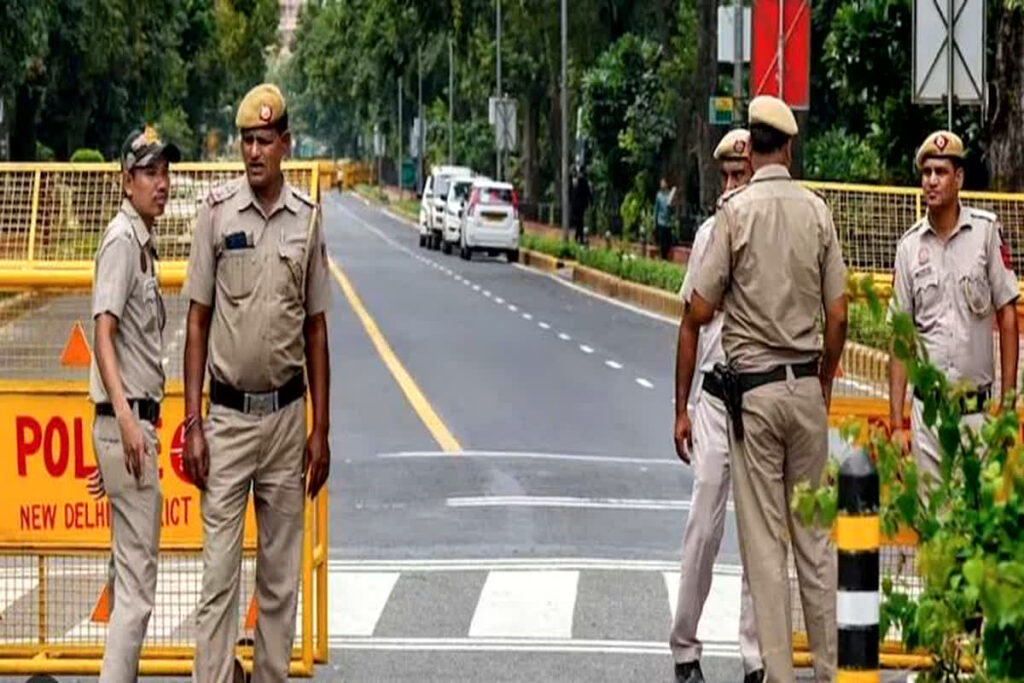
(857,535)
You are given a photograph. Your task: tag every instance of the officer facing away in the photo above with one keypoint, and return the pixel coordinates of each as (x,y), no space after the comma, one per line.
(953,276)
(126,384)
(773,262)
(258,288)
(710,459)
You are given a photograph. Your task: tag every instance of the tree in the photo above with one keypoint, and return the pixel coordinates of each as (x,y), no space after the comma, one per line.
(1006,122)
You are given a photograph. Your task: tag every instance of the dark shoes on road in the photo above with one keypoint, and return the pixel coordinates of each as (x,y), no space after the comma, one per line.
(689,672)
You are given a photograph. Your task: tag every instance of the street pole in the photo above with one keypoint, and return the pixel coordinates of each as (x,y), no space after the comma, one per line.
(950,37)
(419,113)
(451,97)
(565,127)
(399,165)
(737,66)
(497,49)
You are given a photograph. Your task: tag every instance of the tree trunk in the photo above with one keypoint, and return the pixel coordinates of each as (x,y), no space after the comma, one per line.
(707,80)
(1006,126)
(530,165)
(23,130)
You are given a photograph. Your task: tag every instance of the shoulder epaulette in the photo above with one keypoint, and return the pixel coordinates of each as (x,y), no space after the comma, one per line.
(222,192)
(730,194)
(912,229)
(983,214)
(303,197)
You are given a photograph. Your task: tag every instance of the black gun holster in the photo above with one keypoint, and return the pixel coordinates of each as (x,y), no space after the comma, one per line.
(729,380)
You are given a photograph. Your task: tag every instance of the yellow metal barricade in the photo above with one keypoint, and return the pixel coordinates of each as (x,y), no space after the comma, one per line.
(54,540)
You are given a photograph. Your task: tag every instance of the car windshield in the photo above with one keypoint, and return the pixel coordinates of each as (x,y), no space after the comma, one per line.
(441,186)
(461,191)
(495,195)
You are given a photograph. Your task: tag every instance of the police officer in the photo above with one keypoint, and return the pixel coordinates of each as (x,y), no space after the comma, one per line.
(773,263)
(710,460)
(258,287)
(953,277)
(126,384)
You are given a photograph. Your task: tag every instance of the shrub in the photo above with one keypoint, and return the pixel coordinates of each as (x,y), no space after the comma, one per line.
(970,558)
(85,155)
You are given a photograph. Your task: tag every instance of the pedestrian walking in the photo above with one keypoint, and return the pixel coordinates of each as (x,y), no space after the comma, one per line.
(126,385)
(773,263)
(954,277)
(710,460)
(578,203)
(257,281)
(663,218)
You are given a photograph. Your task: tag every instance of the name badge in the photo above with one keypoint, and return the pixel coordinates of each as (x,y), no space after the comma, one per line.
(236,240)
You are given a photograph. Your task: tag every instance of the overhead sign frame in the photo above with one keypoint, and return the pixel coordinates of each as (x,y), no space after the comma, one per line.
(933,78)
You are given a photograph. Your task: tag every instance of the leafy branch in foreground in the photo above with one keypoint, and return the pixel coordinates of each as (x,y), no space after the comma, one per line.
(969,613)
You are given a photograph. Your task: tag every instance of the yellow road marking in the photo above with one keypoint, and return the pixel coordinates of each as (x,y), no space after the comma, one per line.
(419,402)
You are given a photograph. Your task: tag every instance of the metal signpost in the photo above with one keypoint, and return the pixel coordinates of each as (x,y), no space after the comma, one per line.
(953,68)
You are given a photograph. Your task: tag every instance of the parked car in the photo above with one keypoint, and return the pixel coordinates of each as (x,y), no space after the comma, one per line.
(455,207)
(491,223)
(433,201)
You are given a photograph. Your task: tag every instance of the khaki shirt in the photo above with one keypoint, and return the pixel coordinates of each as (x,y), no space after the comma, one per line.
(125,286)
(263,274)
(952,289)
(774,262)
(709,342)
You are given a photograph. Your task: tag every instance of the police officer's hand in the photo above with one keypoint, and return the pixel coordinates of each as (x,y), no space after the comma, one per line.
(683,436)
(901,438)
(94,485)
(134,443)
(318,461)
(826,391)
(197,455)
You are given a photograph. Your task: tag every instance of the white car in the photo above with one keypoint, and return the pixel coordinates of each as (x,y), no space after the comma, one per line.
(455,206)
(491,223)
(432,203)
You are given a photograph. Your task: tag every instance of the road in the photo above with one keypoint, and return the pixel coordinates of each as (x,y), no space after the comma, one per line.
(506,504)
(547,547)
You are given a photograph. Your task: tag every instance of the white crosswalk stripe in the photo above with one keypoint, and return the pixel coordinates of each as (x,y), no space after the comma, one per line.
(525,604)
(357,600)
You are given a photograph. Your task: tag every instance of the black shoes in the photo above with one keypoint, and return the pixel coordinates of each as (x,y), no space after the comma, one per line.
(754,676)
(689,672)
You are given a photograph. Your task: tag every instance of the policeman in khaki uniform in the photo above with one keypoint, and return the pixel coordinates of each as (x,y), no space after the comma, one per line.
(954,278)
(773,263)
(710,459)
(126,384)
(257,281)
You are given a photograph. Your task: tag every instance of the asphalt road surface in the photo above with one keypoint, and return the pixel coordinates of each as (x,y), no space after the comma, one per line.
(505,501)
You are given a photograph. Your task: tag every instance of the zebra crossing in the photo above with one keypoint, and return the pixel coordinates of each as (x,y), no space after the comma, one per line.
(521,605)
(516,605)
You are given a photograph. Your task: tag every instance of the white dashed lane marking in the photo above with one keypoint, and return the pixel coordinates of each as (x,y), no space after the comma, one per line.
(613,365)
(563,336)
(644,383)
(543,326)
(586,349)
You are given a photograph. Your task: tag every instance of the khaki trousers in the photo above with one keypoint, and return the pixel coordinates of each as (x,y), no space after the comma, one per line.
(785,442)
(924,444)
(134,543)
(703,537)
(265,453)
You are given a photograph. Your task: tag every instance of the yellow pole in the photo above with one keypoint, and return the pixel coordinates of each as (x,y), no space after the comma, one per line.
(307,588)
(35,215)
(321,576)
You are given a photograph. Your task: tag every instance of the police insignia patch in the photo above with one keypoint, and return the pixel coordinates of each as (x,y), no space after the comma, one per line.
(266,113)
(923,256)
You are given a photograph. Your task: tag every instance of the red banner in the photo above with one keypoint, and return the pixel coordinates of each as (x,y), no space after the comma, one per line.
(791,55)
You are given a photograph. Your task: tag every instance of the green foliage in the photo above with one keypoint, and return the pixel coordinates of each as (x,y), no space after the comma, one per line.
(970,557)
(839,154)
(86,156)
(654,273)
(86,72)
(44,153)
(866,328)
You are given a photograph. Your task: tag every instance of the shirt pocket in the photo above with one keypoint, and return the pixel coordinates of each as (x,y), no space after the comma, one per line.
(237,271)
(977,291)
(291,267)
(926,290)
(153,305)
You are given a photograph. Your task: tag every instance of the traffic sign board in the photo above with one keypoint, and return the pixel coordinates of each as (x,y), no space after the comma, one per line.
(720,111)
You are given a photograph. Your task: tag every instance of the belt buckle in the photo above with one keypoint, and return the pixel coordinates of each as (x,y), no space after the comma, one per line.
(260,404)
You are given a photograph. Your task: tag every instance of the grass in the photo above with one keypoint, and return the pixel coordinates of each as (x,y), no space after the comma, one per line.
(409,207)
(660,274)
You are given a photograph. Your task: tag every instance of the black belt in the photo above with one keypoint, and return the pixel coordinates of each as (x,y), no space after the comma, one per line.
(257,403)
(970,403)
(147,409)
(752,380)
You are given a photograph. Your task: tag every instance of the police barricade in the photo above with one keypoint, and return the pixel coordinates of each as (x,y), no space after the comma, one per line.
(54,539)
